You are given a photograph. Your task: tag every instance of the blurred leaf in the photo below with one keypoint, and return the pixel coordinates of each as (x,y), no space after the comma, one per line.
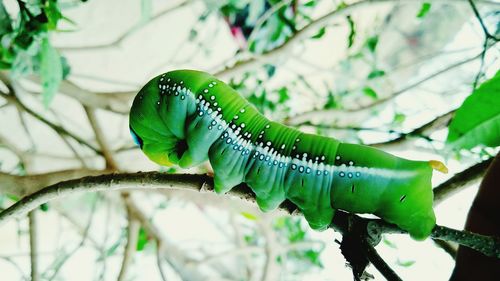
(404,263)
(249,216)
(376,73)
(331,102)
(320,33)
(270,69)
(389,243)
(146,10)
(426,7)
(66,68)
(371,43)
(51,71)
(256,9)
(5,22)
(352,32)
(370,92)
(399,118)
(283,93)
(311,3)
(314,257)
(142,239)
(52,13)
(44,207)
(477,120)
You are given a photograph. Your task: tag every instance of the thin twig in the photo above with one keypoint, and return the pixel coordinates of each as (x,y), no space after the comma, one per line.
(130,247)
(35,276)
(136,27)
(460,180)
(57,128)
(310,115)
(101,140)
(487,37)
(378,262)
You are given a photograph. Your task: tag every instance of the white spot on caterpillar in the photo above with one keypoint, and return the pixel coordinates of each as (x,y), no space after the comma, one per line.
(242,125)
(283,146)
(349,175)
(351,163)
(308,170)
(206,90)
(301,169)
(268,143)
(341,174)
(294,166)
(297,140)
(242,110)
(323,157)
(358,174)
(337,157)
(267,127)
(212,97)
(236,117)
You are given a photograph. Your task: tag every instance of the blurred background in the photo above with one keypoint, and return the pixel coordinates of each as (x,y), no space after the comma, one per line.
(384,73)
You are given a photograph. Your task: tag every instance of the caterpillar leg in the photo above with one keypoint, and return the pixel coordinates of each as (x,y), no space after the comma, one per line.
(228,159)
(265,176)
(309,189)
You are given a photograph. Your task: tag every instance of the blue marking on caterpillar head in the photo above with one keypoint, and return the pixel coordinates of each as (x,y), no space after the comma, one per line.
(136,138)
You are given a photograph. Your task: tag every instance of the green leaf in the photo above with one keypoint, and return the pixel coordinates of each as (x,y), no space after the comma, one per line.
(249,216)
(146,10)
(352,32)
(320,33)
(376,73)
(426,7)
(52,13)
(44,207)
(5,22)
(389,243)
(477,121)
(399,118)
(66,68)
(51,71)
(371,43)
(284,96)
(404,263)
(311,3)
(370,92)
(331,102)
(142,239)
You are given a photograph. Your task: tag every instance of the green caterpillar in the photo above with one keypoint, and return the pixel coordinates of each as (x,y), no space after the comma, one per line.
(185,117)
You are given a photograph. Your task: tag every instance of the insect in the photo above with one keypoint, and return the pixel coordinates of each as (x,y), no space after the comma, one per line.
(186,117)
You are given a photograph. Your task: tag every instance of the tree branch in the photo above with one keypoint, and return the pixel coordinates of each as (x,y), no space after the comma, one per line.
(25,185)
(119,40)
(57,128)
(130,247)
(101,140)
(459,181)
(365,109)
(33,226)
(378,262)
(154,180)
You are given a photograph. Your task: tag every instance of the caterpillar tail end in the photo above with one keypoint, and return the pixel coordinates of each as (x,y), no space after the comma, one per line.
(438,166)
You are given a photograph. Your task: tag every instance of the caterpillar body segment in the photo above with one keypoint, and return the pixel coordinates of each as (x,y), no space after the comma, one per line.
(185,117)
